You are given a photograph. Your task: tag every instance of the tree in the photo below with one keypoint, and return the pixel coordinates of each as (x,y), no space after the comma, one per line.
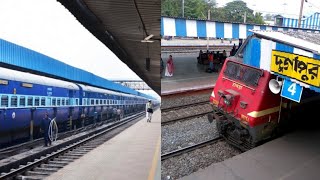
(236,10)
(233,11)
(171,8)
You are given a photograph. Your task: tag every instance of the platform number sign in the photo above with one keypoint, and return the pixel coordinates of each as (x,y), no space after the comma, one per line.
(291,90)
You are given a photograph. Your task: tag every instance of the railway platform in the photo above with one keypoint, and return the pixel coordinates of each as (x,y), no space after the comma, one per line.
(188,75)
(293,156)
(132,154)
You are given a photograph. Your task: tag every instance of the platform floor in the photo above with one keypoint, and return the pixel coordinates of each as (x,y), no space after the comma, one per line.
(133,154)
(188,74)
(292,157)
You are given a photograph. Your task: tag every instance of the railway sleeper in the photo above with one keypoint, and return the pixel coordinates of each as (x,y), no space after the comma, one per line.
(77,154)
(30,177)
(63,159)
(37,173)
(41,169)
(51,166)
(59,162)
(83,150)
(69,156)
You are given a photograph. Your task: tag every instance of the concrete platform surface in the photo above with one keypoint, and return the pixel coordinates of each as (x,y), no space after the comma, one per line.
(188,74)
(133,154)
(292,157)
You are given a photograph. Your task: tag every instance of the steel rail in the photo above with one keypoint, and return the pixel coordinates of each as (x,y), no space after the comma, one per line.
(184,118)
(189,148)
(184,106)
(30,165)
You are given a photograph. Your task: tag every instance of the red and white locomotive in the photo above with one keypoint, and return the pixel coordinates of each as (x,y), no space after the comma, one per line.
(246,105)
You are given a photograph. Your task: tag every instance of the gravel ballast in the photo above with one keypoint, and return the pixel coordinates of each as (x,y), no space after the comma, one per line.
(193,161)
(186,133)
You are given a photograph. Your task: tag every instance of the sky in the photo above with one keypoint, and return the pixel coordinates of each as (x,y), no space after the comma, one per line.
(287,7)
(49,28)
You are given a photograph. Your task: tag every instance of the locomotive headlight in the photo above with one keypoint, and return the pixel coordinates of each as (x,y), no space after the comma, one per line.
(227,102)
(227,99)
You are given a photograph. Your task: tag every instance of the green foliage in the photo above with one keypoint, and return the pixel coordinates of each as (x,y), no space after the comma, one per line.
(171,8)
(233,11)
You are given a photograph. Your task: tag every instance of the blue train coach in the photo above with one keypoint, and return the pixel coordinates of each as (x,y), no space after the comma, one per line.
(25,98)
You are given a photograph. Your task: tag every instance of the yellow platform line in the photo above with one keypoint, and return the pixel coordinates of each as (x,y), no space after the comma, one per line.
(154,161)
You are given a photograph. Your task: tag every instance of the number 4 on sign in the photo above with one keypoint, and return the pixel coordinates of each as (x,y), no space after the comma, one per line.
(292,89)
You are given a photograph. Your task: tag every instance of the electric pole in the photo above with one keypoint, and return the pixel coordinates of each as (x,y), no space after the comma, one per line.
(182,8)
(208,37)
(300,15)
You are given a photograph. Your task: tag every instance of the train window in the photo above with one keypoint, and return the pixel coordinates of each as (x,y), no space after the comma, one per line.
(30,101)
(251,76)
(36,101)
(58,101)
(247,75)
(22,101)
(14,101)
(92,102)
(4,101)
(54,101)
(49,101)
(43,101)
(84,101)
(105,102)
(97,101)
(77,101)
(232,70)
(63,102)
(67,102)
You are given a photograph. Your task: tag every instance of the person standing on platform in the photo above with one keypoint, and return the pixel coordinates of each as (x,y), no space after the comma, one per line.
(149,110)
(161,67)
(211,61)
(169,67)
(45,123)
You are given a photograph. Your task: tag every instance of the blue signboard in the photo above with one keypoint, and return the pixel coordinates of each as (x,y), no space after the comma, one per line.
(291,90)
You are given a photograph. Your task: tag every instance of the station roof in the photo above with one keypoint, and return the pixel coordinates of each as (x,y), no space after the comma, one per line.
(121,25)
(303,40)
(19,58)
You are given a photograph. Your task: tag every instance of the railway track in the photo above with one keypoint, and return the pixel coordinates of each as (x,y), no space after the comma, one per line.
(183,106)
(187,111)
(26,146)
(52,159)
(189,148)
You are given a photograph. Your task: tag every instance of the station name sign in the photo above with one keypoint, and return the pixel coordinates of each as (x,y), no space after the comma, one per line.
(301,68)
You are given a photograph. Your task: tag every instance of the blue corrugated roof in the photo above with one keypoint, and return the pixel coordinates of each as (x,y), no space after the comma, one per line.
(15,55)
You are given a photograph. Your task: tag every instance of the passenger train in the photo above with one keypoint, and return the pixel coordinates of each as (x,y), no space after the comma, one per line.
(246,110)
(25,98)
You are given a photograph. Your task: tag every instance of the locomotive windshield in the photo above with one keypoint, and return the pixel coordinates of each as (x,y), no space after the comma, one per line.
(247,75)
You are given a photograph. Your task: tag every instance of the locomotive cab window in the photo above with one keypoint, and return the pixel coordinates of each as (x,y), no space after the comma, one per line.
(14,101)
(247,75)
